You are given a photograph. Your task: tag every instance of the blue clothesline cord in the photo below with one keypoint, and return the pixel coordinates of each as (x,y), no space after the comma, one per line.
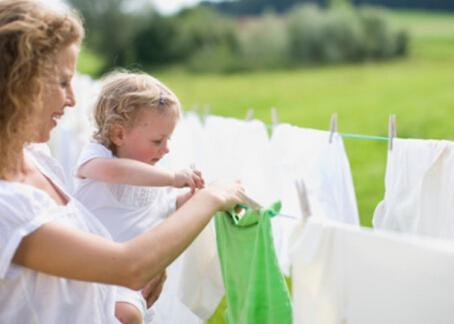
(365,137)
(355,136)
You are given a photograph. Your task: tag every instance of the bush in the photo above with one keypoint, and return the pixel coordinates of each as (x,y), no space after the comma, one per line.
(264,43)
(201,29)
(383,40)
(343,35)
(155,44)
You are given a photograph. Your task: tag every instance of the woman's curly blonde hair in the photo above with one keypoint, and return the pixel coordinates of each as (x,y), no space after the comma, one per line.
(123,95)
(31,35)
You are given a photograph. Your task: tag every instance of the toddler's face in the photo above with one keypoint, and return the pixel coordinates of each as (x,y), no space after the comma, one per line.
(147,140)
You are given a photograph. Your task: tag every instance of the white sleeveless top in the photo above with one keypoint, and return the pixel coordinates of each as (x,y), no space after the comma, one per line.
(27,296)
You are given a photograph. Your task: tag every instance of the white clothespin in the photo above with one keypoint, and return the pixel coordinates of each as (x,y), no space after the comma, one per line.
(194,108)
(274,117)
(250,202)
(333,127)
(206,111)
(249,114)
(392,131)
(303,199)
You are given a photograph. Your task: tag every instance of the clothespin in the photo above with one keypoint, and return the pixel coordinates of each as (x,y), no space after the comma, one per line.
(392,131)
(333,127)
(250,114)
(274,117)
(206,111)
(194,108)
(249,202)
(303,199)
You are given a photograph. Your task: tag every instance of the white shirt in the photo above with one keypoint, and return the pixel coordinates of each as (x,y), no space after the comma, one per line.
(419,186)
(27,296)
(125,210)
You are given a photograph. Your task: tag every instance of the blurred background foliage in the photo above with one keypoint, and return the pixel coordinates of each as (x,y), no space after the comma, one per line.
(208,39)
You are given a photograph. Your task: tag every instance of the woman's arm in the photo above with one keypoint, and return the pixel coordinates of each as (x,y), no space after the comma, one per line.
(60,251)
(132,172)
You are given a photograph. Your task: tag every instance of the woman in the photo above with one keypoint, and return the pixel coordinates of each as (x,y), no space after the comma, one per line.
(57,264)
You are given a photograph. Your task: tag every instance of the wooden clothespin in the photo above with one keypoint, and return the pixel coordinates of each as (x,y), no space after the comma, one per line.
(333,127)
(392,131)
(250,114)
(303,199)
(274,117)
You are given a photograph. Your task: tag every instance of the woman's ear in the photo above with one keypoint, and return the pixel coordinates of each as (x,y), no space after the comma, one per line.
(117,134)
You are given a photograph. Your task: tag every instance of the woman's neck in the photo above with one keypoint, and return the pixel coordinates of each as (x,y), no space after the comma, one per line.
(23,170)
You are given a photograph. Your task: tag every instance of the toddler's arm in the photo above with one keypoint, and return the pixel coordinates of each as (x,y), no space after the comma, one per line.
(132,172)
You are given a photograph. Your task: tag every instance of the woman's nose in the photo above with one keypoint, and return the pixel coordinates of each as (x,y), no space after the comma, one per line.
(70,99)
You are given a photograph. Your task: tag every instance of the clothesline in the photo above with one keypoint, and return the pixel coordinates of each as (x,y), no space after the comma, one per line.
(354,136)
(365,137)
(344,135)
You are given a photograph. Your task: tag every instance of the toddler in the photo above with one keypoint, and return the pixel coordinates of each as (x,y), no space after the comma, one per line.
(116,178)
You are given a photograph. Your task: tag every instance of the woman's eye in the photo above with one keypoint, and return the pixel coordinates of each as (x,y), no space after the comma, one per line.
(157,142)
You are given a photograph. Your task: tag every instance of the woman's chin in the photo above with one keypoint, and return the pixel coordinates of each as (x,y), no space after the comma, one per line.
(41,138)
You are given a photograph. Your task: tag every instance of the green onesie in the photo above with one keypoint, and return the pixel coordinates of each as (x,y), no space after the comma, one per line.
(256,291)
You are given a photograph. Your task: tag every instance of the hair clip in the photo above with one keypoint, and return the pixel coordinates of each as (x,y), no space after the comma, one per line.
(162,100)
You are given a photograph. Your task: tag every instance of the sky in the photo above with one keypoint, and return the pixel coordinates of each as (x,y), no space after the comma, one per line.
(165,7)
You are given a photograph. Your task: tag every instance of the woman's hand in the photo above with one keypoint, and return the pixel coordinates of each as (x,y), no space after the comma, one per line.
(225,194)
(153,289)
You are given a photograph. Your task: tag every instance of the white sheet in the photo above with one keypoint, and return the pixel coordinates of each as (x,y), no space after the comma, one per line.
(343,274)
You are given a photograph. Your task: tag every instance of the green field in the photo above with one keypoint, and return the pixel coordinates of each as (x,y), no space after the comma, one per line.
(418,89)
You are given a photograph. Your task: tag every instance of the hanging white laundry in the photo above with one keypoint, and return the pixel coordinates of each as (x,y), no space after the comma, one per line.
(201,287)
(234,149)
(186,147)
(419,187)
(187,143)
(232,146)
(346,274)
(168,308)
(297,153)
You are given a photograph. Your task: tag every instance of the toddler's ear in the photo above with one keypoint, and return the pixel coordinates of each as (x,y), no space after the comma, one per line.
(117,134)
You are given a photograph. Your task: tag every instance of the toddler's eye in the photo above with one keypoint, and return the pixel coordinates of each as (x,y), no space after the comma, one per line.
(157,142)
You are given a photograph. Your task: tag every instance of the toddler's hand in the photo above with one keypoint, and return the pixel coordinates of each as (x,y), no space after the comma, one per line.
(189,178)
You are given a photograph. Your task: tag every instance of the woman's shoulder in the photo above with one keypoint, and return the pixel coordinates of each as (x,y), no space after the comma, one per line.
(21,202)
(52,167)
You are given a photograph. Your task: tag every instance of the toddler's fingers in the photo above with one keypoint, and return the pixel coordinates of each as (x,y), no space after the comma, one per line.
(199,183)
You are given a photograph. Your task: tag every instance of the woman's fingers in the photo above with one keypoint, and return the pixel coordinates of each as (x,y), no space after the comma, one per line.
(153,289)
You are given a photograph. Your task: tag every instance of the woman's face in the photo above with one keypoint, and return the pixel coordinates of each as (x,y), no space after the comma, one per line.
(58,93)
